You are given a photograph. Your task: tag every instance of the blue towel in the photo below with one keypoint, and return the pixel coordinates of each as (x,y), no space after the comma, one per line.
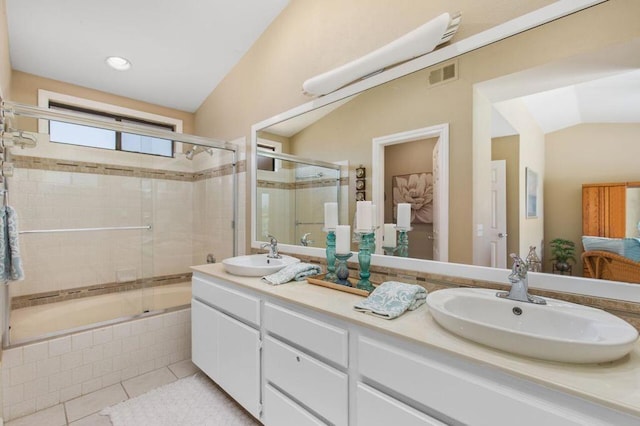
(297,271)
(391,299)
(10,261)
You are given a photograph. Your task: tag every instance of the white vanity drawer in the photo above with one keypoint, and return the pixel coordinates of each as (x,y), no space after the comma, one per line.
(444,388)
(375,408)
(321,338)
(281,411)
(314,384)
(240,305)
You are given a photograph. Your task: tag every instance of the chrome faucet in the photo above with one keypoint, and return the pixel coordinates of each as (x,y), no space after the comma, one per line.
(273,247)
(519,283)
(305,241)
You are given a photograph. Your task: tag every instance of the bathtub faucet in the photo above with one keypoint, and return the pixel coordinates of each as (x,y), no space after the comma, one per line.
(273,247)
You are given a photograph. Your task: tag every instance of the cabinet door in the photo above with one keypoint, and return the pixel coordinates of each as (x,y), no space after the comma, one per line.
(239,362)
(377,409)
(204,338)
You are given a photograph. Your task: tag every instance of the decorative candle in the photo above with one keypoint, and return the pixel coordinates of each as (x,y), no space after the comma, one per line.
(363,215)
(404,215)
(343,239)
(330,215)
(389,235)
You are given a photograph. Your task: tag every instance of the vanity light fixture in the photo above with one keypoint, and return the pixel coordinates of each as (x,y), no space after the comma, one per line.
(118,63)
(416,43)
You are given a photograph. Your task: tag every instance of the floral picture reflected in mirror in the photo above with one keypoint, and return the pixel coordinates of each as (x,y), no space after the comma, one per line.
(417,190)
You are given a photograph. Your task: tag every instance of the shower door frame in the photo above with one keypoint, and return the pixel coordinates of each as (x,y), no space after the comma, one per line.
(11,109)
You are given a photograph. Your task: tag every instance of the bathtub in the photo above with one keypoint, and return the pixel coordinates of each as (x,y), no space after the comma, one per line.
(51,319)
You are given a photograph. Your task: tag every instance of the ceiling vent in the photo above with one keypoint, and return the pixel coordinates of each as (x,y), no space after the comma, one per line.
(443,74)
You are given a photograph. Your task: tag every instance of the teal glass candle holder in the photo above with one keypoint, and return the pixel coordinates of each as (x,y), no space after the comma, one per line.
(367,242)
(331,256)
(403,242)
(342,271)
(389,251)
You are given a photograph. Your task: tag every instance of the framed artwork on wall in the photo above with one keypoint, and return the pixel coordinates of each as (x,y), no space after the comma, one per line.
(531,184)
(417,190)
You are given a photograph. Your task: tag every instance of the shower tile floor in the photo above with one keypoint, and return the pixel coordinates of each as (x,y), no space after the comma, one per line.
(84,410)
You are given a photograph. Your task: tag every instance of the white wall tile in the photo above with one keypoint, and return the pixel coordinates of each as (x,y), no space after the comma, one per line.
(122,330)
(70,392)
(82,340)
(60,380)
(22,373)
(59,346)
(12,357)
(21,409)
(70,360)
(47,367)
(102,335)
(48,400)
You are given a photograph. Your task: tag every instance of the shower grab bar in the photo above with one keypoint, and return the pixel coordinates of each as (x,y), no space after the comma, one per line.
(309,223)
(111,228)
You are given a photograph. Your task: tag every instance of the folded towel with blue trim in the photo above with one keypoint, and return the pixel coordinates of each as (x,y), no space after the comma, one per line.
(297,271)
(392,298)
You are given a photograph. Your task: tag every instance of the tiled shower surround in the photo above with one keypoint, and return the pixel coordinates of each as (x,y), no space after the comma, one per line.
(189,214)
(44,374)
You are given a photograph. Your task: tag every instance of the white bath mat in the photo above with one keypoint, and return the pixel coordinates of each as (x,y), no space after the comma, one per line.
(192,401)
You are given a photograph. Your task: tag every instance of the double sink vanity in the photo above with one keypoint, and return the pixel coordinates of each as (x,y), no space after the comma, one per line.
(299,354)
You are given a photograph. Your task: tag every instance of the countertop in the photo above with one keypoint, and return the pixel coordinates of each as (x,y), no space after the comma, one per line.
(615,384)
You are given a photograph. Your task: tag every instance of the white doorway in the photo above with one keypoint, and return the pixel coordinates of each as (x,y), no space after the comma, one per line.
(440,181)
(498,224)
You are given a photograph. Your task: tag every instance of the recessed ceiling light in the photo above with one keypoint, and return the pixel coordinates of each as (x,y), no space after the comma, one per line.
(118,63)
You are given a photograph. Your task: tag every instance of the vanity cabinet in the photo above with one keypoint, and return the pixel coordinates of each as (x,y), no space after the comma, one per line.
(317,368)
(223,346)
(303,357)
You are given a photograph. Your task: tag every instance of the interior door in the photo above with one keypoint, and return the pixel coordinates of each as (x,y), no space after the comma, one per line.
(498,226)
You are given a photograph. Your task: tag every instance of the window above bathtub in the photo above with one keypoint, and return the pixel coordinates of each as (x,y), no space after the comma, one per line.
(73,134)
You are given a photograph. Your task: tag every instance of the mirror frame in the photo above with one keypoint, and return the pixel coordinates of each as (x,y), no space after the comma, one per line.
(559,283)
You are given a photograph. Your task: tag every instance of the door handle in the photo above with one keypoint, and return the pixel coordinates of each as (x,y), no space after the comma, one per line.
(502,235)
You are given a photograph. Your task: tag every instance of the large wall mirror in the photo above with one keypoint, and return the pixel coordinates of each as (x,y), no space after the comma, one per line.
(558,103)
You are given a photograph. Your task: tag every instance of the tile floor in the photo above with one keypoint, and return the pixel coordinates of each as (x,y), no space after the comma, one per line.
(83,411)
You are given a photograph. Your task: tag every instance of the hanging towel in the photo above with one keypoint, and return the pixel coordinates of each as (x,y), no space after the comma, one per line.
(391,299)
(10,261)
(297,271)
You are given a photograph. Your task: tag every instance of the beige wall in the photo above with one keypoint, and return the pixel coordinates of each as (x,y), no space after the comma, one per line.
(24,89)
(575,156)
(508,148)
(5,61)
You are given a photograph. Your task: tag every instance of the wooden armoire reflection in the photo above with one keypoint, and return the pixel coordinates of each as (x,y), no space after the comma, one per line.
(604,208)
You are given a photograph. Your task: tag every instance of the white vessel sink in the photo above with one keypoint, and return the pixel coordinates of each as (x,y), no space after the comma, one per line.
(558,331)
(256,265)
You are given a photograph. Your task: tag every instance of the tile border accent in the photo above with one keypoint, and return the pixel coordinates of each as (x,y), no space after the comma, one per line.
(629,311)
(44,298)
(58,165)
(261,183)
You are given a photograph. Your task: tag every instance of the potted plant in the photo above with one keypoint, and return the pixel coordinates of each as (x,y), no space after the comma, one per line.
(562,251)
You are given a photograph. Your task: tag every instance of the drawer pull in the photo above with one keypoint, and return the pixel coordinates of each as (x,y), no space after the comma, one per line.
(298,358)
